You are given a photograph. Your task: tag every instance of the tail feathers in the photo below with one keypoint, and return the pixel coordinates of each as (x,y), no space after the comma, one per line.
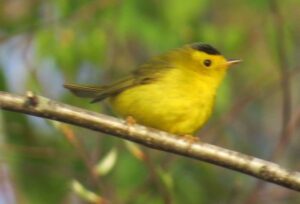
(85,91)
(98,93)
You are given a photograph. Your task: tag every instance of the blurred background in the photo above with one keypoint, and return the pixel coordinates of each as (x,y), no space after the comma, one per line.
(46,43)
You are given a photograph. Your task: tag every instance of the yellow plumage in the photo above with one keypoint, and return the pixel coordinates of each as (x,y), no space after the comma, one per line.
(174,92)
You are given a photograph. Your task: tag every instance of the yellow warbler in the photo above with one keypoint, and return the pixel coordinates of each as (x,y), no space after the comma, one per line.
(174,92)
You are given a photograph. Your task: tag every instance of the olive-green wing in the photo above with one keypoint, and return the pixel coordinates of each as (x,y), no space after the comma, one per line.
(99,93)
(114,89)
(145,74)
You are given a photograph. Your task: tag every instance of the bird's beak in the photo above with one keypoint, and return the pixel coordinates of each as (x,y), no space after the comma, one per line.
(231,62)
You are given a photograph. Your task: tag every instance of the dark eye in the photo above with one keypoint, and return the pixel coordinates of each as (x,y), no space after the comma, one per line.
(207,62)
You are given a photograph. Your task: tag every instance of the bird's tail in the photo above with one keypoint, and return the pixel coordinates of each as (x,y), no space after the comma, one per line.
(98,93)
(85,91)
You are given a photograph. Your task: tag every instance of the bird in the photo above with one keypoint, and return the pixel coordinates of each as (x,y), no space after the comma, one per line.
(174,92)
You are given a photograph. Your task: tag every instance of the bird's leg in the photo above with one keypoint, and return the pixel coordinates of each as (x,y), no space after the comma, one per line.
(129,120)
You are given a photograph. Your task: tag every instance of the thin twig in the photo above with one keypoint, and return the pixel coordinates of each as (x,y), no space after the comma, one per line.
(83,153)
(152,138)
(157,180)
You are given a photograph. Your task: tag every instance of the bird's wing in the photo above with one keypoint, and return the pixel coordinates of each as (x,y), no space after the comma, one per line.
(145,74)
(113,89)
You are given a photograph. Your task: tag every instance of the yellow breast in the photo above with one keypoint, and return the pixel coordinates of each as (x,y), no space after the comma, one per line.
(180,102)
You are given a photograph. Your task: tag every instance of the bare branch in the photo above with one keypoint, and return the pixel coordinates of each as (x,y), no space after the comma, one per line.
(46,108)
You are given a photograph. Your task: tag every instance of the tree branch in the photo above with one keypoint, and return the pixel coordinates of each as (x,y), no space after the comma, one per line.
(46,108)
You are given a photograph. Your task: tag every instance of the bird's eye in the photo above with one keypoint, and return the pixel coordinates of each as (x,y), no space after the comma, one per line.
(207,62)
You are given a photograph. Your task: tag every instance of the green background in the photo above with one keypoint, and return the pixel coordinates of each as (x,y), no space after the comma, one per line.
(46,43)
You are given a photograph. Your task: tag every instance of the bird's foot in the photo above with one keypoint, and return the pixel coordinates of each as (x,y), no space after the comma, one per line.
(130,121)
(191,138)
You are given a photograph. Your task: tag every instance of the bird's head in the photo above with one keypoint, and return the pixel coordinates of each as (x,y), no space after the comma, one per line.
(207,60)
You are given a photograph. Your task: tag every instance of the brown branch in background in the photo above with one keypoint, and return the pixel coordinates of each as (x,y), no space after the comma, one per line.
(287,123)
(288,133)
(157,180)
(82,152)
(285,80)
(46,108)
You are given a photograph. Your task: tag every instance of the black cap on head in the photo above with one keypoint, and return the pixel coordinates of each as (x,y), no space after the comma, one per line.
(205,48)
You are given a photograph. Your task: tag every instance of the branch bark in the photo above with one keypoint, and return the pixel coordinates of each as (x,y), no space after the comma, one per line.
(46,108)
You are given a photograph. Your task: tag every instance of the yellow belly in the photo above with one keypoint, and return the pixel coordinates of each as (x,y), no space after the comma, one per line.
(180,107)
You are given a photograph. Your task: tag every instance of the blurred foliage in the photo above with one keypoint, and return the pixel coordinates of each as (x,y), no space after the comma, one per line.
(45,43)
